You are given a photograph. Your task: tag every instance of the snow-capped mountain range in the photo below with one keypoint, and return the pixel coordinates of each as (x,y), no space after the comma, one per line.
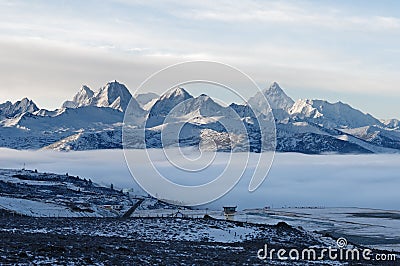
(94,120)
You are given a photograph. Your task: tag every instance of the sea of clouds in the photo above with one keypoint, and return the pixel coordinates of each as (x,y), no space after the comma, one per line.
(370,181)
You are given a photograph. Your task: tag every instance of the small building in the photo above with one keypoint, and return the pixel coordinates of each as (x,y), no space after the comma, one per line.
(127,190)
(107,207)
(117,207)
(112,207)
(229,212)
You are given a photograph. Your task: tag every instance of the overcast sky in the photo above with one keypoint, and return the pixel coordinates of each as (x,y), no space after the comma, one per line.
(333,50)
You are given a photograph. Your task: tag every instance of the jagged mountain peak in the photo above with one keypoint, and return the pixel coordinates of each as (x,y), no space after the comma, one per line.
(25,102)
(204,97)
(114,87)
(169,100)
(83,95)
(278,101)
(178,92)
(165,104)
(202,105)
(277,98)
(111,91)
(81,98)
(274,87)
(114,95)
(85,91)
(24,105)
(309,126)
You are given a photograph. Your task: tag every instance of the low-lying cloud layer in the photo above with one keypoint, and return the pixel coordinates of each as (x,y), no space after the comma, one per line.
(370,181)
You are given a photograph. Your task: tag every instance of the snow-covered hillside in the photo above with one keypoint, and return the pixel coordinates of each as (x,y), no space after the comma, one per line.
(331,115)
(31,193)
(94,120)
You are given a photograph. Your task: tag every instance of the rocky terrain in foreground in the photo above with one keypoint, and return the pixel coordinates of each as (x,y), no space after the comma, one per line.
(148,241)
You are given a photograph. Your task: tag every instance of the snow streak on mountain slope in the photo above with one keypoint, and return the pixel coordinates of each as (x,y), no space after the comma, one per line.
(391,123)
(388,138)
(93,120)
